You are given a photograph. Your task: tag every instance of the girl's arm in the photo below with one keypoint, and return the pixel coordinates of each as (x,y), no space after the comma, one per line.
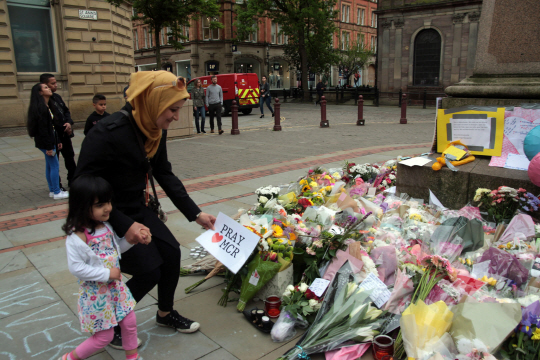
(123,245)
(78,267)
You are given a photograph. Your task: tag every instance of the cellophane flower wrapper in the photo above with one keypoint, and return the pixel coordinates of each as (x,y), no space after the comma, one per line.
(445,242)
(422,324)
(386,261)
(284,327)
(340,318)
(520,224)
(489,322)
(401,293)
(266,270)
(505,265)
(448,292)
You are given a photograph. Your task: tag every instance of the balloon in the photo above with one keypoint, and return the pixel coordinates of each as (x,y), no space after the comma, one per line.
(534,170)
(531,144)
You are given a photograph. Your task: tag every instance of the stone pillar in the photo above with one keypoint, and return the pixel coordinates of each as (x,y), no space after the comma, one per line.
(507,64)
(398,50)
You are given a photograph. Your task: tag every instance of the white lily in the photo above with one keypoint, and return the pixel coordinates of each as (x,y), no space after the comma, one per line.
(351,287)
(373,313)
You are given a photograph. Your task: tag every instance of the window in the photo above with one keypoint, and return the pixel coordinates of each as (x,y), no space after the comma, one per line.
(31,26)
(162,37)
(373,19)
(427,58)
(273,33)
(145,34)
(135,40)
(167,31)
(279,34)
(184,30)
(150,39)
(253,36)
(345,40)
(345,13)
(360,16)
(374,44)
(209,34)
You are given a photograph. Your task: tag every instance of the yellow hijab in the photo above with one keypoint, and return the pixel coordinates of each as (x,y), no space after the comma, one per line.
(151,93)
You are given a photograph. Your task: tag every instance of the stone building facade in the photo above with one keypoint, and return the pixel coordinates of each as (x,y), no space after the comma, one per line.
(425,46)
(210,51)
(86,44)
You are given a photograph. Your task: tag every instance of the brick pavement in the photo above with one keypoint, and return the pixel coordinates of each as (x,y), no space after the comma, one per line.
(22,184)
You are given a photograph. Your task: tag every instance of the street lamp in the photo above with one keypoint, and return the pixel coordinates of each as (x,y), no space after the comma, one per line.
(268,60)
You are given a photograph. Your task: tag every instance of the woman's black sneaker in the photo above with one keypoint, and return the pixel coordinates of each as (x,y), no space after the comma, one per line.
(116,342)
(178,322)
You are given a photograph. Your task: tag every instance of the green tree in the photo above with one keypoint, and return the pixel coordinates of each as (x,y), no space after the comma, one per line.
(354,59)
(175,14)
(308,24)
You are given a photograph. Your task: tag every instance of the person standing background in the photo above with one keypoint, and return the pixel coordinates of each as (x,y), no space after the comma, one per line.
(197,95)
(64,118)
(47,135)
(320,91)
(264,89)
(214,101)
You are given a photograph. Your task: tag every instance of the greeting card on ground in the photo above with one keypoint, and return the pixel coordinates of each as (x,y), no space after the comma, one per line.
(231,243)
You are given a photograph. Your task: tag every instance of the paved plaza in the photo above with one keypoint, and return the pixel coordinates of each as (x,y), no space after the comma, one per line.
(38,295)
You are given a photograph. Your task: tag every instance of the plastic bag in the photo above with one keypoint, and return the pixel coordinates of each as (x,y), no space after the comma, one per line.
(506,265)
(283,329)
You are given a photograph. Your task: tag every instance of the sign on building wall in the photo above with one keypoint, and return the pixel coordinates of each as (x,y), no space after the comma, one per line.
(88,14)
(212,66)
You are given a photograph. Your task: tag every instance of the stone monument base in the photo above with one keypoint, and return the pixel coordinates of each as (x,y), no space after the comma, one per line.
(457,189)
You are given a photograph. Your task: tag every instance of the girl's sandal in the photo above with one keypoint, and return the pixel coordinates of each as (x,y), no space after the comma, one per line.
(64,357)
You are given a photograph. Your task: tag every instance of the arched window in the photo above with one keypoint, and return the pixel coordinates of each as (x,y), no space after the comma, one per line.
(427,58)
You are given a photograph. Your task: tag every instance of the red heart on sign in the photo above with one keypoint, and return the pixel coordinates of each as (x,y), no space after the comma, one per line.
(217,238)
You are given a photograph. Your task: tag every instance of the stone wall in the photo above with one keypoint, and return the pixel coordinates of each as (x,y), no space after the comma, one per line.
(399,23)
(93,56)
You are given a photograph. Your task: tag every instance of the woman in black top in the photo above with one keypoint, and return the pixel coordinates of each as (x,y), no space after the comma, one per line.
(119,149)
(47,135)
(265,96)
(197,95)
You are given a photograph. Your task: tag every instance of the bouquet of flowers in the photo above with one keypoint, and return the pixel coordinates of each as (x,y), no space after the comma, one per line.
(267,193)
(366,171)
(346,314)
(500,204)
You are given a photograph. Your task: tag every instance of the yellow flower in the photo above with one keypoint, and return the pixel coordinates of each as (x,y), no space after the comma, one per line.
(278,231)
(336,176)
(306,188)
(328,188)
(509,245)
(303,182)
(469,262)
(327,177)
(491,281)
(313,184)
(536,334)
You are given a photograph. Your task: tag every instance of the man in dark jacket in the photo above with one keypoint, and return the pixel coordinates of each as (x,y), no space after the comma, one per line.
(320,91)
(65,120)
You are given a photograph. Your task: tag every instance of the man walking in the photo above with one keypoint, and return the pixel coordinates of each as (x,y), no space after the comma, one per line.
(320,91)
(214,101)
(66,121)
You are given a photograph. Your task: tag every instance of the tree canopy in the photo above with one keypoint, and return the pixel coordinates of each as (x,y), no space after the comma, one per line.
(174,14)
(308,25)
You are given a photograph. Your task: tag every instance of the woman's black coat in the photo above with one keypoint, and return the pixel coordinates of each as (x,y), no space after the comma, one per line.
(48,133)
(111,150)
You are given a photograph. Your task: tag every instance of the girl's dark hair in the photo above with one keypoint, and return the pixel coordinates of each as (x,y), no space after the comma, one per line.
(36,110)
(83,193)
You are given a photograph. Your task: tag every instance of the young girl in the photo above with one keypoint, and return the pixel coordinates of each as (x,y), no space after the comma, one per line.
(93,251)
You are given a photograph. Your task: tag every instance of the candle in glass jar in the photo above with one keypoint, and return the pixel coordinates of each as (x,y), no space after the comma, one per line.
(383,346)
(272,305)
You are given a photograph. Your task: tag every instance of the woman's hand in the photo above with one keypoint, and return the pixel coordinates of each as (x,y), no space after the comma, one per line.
(206,221)
(115,274)
(194,108)
(59,146)
(138,233)
(49,152)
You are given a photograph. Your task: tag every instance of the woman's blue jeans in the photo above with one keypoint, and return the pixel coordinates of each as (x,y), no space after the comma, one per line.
(52,171)
(202,111)
(268,101)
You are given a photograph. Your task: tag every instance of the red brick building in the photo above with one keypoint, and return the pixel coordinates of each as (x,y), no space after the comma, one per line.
(210,51)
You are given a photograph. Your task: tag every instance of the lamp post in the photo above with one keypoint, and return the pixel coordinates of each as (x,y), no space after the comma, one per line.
(267,60)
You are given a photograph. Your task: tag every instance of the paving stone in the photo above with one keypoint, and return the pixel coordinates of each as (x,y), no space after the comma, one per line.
(228,190)
(220,354)
(24,290)
(52,264)
(163,343)
(12,261)
(29,234)
(227,326)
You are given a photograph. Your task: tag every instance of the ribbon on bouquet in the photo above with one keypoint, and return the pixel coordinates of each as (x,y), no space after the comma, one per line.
(303,354)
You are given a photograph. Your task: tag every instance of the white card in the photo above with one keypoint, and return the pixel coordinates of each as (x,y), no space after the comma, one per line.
(380,294)
(254,279)
(336,230)
(372,191)
(319,286)
(231,243)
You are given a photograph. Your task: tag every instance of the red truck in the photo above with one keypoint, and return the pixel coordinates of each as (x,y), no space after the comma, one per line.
(244,88)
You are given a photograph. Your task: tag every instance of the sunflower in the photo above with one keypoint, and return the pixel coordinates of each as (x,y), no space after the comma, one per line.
(306,188)
(278,231)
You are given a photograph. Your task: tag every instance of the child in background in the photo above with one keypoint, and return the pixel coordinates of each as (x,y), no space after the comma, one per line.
(100,104)
(93,252)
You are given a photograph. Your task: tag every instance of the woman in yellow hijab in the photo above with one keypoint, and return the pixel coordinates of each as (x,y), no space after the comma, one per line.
(119,149)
